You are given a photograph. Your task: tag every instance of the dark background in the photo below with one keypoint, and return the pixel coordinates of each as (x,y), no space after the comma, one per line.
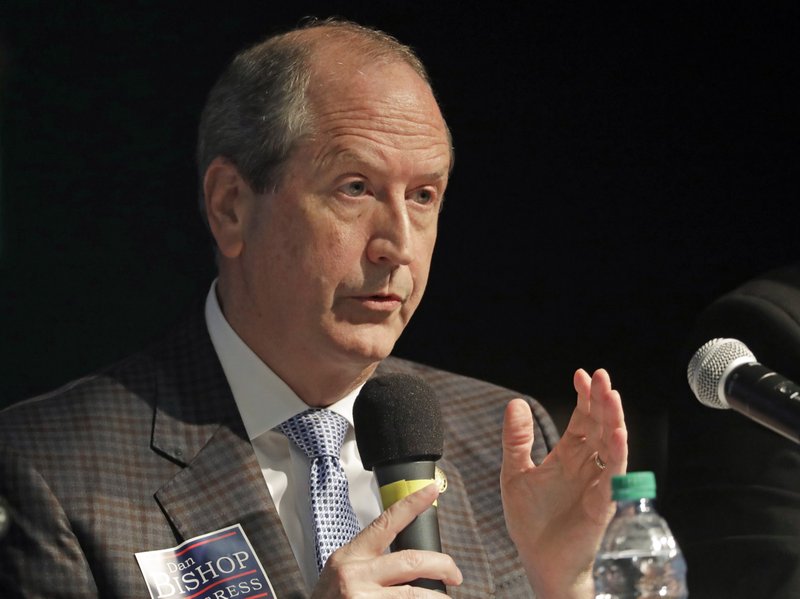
(618,167)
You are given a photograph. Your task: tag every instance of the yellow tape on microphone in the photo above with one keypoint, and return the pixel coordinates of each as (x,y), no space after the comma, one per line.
(394,492)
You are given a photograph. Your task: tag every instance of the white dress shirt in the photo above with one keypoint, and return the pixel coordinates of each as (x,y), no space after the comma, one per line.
(264,401)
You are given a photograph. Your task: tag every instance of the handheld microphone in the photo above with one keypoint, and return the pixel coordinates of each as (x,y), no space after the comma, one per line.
(724,374)
(398,428)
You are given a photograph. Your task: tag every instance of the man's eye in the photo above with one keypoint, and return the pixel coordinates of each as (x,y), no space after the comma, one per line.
(423,196)
(354,188)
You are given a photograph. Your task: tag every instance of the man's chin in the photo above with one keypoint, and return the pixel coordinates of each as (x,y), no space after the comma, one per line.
(370,343)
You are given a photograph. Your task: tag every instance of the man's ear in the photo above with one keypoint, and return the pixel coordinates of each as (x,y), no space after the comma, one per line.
(226,195)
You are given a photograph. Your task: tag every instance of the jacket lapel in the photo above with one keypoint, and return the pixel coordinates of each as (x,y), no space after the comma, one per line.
(197,426)
(223,485)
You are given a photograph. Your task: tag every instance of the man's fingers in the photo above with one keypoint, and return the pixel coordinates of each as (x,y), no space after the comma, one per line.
(517,439)
(597,425)
(364,564)
(376,538)
(614,437)
(404,566)
(616,448)
(583,386)
(610,437)
(579,420)
(390,570)
(343,577)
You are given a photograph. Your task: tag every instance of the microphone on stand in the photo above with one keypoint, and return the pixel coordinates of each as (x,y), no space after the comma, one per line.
(724,374)
(398,427)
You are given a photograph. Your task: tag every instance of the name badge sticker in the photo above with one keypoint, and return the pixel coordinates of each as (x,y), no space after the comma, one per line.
(216,565)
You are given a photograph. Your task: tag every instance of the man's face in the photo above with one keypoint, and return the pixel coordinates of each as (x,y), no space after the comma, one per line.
(336,261)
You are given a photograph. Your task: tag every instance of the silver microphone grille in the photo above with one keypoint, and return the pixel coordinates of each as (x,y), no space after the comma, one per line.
(710,364)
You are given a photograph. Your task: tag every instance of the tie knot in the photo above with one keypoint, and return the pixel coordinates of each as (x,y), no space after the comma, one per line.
(316,432)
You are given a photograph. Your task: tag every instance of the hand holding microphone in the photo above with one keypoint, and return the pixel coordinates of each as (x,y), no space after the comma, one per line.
(724,374)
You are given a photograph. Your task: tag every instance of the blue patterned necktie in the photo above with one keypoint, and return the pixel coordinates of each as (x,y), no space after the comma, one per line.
(320,434)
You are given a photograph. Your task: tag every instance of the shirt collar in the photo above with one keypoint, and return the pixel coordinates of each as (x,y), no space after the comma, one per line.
(263,399)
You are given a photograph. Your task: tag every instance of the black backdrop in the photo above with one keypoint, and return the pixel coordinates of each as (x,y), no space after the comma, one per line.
(618,166)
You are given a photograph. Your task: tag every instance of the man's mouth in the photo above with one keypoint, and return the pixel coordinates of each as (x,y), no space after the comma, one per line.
(384,297)
(380,301)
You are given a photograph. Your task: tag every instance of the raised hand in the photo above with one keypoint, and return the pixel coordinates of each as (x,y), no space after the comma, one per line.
(557,512)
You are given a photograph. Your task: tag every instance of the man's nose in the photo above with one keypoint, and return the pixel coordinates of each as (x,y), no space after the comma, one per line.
(392,238)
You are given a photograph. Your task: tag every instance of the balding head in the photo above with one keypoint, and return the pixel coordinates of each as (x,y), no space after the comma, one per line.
(259,108)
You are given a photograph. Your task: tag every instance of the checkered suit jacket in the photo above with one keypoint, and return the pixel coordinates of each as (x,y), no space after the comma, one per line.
(152,451)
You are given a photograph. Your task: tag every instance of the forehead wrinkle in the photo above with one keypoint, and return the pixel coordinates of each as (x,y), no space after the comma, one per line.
(431,145)
(338,153)
(428,145)
(330,155)
(403,123)
(396,131)
(347,103)
(403,114)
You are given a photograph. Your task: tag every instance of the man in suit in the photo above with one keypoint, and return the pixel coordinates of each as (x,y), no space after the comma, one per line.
(733,486)
(324,161)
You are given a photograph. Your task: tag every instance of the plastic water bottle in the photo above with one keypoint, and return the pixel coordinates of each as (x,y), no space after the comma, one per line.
(638,557)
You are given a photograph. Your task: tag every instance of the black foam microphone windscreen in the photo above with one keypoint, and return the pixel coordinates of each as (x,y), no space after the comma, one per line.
(397,419)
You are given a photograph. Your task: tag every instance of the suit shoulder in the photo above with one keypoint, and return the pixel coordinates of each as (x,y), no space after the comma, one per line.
(473,402)
(99,399)
(451,383)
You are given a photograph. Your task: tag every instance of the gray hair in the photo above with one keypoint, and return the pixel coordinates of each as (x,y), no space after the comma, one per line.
(258,110)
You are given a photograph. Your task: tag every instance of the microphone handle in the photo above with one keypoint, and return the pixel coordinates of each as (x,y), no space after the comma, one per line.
(766,397)
(423,532)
